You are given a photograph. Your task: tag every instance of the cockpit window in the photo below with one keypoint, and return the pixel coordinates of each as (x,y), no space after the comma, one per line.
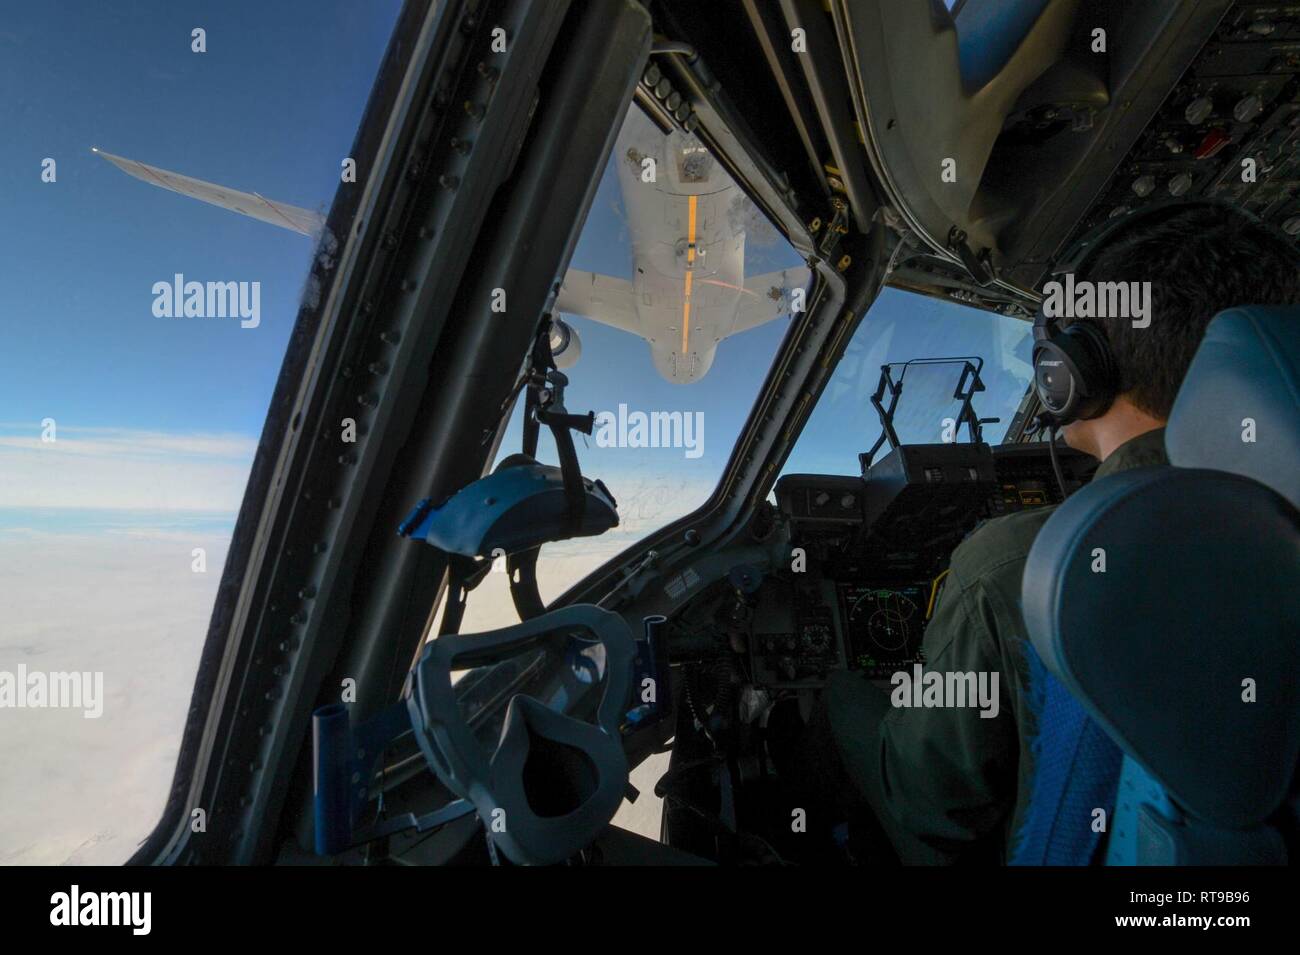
(144,331)
(676,301)
(902,326)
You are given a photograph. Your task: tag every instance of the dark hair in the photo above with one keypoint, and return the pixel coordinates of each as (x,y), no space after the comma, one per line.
(1199,262)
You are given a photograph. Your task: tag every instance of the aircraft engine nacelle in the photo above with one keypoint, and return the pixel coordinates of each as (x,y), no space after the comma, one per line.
(566,346)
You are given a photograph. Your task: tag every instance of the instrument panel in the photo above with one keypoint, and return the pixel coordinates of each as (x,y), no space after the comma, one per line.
(824,625)
(877,548)
(797,634)
(883,626)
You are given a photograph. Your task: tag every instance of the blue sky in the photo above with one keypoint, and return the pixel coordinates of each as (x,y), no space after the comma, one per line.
(272,106)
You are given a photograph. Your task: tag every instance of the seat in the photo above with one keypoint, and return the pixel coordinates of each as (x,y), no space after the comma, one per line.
(1165,601)
(1239,407)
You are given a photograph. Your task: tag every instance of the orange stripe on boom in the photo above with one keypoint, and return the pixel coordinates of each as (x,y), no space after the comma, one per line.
(690,260)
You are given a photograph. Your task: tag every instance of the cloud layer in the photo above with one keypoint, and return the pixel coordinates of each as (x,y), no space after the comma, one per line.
(104,468)
(126,604)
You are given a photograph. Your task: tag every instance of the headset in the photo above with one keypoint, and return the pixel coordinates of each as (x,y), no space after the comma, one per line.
(1075,373)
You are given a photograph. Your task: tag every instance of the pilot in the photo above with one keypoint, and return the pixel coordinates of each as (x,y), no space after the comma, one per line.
(949,784)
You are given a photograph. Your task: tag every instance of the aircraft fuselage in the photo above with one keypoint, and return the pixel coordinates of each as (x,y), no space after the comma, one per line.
(686,220)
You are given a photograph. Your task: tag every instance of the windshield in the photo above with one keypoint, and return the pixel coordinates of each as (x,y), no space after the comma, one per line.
(679,296)
(900,327)
(130,409)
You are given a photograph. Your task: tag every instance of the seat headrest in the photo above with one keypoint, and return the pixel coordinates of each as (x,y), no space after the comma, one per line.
(1165,600)
(1239,407)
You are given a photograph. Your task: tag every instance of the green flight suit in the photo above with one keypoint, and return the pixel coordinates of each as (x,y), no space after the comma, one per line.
(945,784)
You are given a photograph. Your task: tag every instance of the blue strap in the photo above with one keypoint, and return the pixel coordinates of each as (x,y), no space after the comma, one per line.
(1137,788)
(1076,772)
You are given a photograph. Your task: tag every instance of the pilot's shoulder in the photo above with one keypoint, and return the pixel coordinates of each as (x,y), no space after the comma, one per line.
(998,543)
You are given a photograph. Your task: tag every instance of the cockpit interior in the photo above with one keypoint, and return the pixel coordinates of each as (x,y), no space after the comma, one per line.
(353,707)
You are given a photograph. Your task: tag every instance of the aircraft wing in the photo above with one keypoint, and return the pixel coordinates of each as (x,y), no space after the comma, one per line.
(602,298)
(767,297)
(248,203)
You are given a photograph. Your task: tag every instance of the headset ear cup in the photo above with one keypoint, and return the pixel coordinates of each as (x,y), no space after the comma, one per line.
(1096,367)
(1086,352)
(1074,372)
(1055,379)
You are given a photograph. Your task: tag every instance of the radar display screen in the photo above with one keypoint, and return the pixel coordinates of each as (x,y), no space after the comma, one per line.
(884,626)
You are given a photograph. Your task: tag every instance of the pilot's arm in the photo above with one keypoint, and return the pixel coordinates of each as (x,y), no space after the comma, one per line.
(943,781)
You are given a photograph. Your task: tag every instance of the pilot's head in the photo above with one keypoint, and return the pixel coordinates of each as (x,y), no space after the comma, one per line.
(1199,261)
